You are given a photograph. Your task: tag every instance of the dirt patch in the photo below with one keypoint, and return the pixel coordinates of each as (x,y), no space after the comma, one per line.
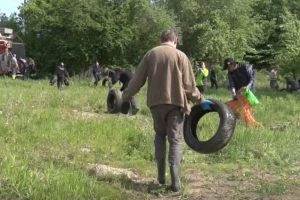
(85,114)
(240,184)
(102,170)
(200,186)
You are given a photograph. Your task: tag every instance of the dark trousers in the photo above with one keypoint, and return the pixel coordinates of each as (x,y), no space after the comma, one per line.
(274,84)
(97,79)
(168,124)
(214,83)
(201,88)
(60,82)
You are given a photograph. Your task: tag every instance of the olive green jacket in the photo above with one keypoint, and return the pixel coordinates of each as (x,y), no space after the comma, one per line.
(170,78)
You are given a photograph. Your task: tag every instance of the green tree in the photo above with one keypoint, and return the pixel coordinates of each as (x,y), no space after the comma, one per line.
(288,56)
(81,31)
(213,30)
(279,21)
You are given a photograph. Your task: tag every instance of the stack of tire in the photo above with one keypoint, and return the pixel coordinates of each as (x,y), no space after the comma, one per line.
(115,103)
(223,134)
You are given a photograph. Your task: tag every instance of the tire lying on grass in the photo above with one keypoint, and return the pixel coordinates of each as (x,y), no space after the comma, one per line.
(125,107)
(105,81)
(115,103)
(224,132)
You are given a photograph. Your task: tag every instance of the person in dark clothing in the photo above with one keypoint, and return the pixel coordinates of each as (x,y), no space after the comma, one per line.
(213,78)
(239,76)
(96,71)
(61,76)
(292,85)
(124,76)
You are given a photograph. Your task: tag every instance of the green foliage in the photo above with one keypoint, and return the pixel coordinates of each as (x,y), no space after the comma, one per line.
(80,32)
(288,55)
(43,131)
(119,32)
(214,30)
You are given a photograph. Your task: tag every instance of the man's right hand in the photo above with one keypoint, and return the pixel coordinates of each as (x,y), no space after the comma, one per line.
(201,99)
(206,104)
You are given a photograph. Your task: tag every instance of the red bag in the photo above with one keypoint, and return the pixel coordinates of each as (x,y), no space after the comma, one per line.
(242,109)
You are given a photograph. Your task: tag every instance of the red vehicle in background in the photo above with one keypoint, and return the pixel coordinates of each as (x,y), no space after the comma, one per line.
(9,50)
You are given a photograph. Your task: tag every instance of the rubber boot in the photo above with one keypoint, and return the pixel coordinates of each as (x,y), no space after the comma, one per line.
(161,170)
(174,171)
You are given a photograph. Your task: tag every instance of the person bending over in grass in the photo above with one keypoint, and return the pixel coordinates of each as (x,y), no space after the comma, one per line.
(171,84)
(124,76)
(292,85)
(240,78)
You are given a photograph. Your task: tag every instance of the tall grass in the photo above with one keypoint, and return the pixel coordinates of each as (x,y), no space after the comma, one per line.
(43,129)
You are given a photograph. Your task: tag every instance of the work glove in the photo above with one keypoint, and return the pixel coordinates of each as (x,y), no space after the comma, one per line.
(206,104)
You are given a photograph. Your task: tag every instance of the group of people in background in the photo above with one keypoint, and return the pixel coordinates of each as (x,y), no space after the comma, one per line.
(202,75)
(23,66)
(112,77)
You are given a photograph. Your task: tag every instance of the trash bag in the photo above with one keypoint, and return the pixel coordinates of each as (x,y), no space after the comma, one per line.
(242,109)
(251,97)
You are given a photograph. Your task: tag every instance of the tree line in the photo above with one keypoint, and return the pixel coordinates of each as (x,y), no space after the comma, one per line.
(119,32)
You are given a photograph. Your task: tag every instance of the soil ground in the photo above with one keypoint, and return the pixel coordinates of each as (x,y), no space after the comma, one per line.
(198,186)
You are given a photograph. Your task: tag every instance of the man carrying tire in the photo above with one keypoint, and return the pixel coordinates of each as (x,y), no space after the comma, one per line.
(171,84)
(60,76)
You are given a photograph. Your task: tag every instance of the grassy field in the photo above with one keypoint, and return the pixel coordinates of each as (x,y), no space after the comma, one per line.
(49,137)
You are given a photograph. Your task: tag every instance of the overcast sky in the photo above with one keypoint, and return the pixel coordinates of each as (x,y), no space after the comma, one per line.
(10,6)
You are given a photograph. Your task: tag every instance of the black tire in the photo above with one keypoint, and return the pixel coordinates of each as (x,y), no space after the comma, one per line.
(125,107)
(114,101)
(104,82)
(224,132)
